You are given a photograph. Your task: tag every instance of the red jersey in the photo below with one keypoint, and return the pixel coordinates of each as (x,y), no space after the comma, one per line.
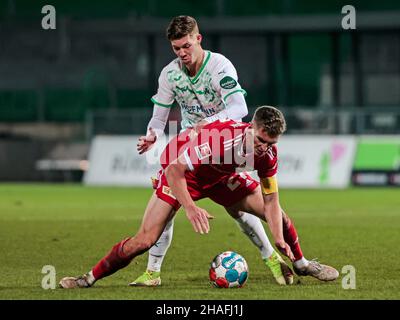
(217,152)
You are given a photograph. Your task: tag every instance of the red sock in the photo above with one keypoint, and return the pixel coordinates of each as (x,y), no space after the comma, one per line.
(292,239)
(115,260)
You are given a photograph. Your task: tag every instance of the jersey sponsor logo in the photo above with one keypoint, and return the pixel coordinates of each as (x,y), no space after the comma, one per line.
(228,82)
(203,151)
(198,109)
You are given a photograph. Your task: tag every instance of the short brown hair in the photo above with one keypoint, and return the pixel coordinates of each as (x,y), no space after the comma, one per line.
(181,26)
(270,119)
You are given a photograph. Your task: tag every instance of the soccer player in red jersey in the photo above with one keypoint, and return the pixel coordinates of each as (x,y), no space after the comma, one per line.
(213,164)
(205,86)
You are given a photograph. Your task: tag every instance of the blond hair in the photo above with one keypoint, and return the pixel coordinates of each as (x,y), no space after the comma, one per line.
(270,119)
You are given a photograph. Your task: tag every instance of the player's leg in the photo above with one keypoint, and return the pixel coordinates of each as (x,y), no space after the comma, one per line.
(252,227)
(237,187)
(301,265)
(157,214)
(253,203)
(248,223)
(159,250)
(152,276)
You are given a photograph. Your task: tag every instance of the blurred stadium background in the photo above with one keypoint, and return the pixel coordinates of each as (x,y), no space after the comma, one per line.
(96,72)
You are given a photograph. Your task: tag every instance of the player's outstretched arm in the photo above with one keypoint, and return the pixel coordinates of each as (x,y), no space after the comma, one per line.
(155,129)
(273,213)
(146,142)
(175,174)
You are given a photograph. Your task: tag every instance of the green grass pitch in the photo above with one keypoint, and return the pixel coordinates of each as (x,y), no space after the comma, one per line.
(71,227)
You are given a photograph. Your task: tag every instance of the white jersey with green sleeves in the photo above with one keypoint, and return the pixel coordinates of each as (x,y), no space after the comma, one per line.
(201,96)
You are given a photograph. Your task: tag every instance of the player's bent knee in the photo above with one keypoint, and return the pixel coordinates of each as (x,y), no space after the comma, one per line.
(145,246)
(139,244)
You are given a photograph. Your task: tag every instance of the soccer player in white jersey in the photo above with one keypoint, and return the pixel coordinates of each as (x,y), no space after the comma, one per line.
(205,86)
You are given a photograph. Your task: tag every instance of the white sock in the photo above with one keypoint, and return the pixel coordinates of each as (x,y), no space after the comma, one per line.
(158,251)
(90,278)
(300,264)
(254,230)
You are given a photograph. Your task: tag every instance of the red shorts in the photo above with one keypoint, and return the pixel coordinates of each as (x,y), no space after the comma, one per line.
(227,192)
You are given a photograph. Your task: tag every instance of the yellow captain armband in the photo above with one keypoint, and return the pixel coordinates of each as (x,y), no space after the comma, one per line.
(269,185)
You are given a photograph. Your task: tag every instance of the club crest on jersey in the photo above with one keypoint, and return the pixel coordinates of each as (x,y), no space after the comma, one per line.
(203,151)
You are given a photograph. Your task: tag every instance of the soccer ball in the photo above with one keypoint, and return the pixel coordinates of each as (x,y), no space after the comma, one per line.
(228,270)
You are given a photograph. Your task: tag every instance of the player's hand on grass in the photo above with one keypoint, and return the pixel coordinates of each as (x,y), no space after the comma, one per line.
(284,248)
(198,217)
(146,142)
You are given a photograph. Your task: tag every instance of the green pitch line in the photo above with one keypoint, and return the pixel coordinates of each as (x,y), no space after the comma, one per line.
(71,227)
